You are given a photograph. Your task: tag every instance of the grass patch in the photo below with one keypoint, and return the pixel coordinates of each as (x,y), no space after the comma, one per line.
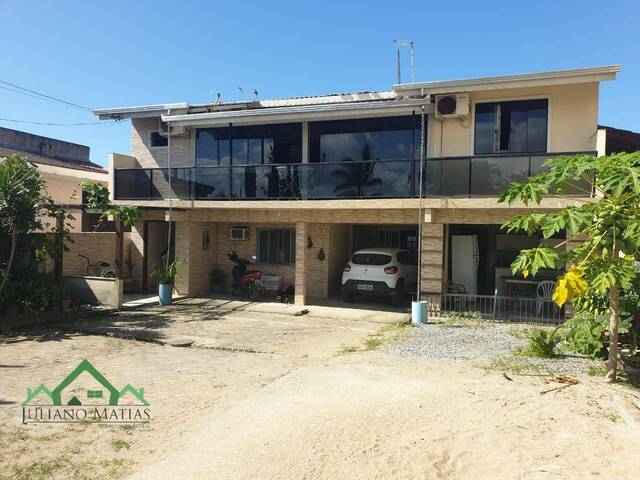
(41,469)
(464,319)
(119,444)
(597,370)
(373,343)
(512,365)
(349,349)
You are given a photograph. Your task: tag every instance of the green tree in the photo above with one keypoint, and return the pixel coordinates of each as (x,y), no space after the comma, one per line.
(21,201)
(608,225)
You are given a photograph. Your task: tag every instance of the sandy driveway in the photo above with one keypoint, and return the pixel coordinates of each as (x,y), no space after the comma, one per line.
(303,408)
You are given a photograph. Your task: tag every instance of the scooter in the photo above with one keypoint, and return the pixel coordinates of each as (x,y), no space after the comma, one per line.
(245,283)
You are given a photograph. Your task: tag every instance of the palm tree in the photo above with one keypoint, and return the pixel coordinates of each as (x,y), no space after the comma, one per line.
(20,202)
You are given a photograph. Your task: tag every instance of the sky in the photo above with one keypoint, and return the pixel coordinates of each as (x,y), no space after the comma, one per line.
(118,53)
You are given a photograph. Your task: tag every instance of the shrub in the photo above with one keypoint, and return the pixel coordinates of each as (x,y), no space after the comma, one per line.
(542,343)
(585,334)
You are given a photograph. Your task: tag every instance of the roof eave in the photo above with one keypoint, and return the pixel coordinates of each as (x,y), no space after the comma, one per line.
(559,77)
(139,111)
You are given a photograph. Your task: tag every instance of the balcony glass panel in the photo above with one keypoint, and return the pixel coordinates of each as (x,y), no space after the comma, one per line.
(387,179)
(180,183)
(211,183)
(454,176)
(132,184)
(491,175)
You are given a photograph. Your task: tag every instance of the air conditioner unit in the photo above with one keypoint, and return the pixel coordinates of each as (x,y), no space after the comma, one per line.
(176,130)
(452,106)
(239,233)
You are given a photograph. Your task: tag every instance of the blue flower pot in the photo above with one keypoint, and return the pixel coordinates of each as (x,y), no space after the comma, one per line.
(165,292)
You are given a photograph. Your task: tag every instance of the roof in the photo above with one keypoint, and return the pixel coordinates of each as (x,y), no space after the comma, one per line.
(555,77)
(619,140)
(56,162)
(179,111)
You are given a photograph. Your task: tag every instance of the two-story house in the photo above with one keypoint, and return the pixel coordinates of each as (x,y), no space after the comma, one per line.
(302,183)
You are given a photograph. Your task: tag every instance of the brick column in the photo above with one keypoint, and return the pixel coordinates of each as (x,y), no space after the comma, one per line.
(195,263)
(432,257)
(301,264)
(136,246)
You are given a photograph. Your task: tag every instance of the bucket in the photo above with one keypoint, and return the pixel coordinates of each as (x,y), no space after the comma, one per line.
(418,312)
(165,292)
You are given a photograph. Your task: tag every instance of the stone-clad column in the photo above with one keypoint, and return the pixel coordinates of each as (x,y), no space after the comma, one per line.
(301,265)
(432,257)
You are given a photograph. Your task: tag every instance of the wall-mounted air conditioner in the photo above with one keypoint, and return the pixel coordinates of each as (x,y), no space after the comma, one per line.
(176,130)
(452,105)
(239,233)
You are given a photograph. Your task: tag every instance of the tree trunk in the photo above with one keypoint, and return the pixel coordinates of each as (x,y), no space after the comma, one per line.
(612,364)
(5,277)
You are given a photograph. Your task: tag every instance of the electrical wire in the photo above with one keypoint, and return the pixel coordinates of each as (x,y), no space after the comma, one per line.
(27,91)
(105,122)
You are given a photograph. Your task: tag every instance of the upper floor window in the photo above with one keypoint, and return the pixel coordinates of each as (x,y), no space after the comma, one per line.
(511,127)
(157,140)
(249,145)
(385,138)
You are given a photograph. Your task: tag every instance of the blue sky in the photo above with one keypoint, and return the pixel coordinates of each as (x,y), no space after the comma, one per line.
(118,53)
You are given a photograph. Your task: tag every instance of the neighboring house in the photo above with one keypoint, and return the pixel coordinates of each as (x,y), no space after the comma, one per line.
(63,166)
(284,179)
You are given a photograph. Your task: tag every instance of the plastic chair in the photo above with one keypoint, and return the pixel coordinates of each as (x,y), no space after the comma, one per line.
(544,291)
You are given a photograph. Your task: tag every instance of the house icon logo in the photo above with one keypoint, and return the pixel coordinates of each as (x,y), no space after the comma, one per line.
(85,394)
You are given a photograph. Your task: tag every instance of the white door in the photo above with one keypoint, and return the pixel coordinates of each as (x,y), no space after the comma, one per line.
(464,261)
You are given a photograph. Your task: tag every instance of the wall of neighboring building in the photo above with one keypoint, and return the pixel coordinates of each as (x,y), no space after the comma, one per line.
(572,126)
(63,186)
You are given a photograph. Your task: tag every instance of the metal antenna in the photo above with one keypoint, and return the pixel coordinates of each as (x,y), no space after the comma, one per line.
(405,43)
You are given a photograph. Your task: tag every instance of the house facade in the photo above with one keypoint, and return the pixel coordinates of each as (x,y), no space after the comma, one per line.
(301,183)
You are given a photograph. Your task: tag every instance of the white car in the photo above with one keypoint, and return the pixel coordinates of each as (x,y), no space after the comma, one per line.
(380,271)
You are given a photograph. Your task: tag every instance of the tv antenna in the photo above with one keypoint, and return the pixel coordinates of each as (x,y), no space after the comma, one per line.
(405,43)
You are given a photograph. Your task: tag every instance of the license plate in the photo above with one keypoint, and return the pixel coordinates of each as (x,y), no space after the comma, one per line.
(363,286)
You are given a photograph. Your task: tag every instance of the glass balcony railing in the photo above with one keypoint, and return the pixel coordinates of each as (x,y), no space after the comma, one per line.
(471,176)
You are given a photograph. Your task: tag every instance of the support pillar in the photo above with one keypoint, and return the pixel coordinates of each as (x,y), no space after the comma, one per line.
(432,257)
(301,263)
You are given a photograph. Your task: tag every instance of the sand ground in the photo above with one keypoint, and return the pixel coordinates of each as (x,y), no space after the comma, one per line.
(307,406)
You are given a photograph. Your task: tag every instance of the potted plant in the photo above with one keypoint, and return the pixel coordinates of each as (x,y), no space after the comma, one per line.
(217,279)
(165,274)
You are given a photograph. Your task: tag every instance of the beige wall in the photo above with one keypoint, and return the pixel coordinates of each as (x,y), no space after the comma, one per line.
(149,157)
(573,119)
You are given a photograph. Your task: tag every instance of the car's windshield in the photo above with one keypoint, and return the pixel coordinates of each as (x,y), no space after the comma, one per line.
(370,259)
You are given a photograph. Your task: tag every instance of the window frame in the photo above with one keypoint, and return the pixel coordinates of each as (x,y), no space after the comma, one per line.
(472,142)
(151,145)
(268,261)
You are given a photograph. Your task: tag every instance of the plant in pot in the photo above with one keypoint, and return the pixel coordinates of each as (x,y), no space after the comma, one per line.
(165,274)
(217,279)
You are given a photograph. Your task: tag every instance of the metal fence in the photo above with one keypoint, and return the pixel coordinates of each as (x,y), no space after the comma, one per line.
(494,307)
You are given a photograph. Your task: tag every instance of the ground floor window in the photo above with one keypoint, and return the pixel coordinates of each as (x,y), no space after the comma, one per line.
(277,246)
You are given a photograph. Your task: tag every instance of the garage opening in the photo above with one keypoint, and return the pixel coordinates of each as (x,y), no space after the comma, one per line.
(369,283)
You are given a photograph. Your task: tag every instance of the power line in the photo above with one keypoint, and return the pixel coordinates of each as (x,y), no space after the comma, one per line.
(12,87)
(58,124)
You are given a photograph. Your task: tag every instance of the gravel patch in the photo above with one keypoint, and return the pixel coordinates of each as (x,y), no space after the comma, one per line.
(491,344)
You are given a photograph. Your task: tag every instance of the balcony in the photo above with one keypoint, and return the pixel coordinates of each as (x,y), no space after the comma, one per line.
(471,176)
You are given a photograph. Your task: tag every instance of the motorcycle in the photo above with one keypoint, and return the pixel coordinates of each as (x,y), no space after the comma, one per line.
(245,283)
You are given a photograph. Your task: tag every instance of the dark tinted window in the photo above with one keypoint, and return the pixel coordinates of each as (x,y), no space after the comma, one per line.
(249,145)
(277,246)
(511,127)
(405,258)
(370,259)
(388,138)
(157,140)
